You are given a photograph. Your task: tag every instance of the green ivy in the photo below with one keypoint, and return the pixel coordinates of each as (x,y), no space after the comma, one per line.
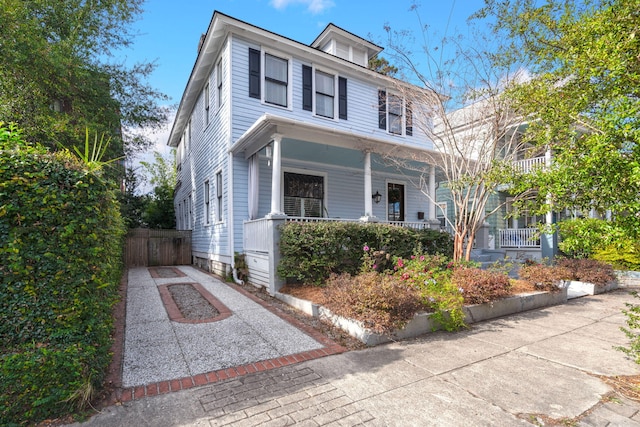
(60,265)
(312,251)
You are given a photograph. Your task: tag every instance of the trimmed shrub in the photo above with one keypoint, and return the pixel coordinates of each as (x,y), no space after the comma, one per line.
(381,302)
(588,270)
(312,251)
(60,267)
(544,277)
(480,286)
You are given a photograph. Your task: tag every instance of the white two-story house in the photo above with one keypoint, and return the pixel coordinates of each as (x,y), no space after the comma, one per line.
(271,130)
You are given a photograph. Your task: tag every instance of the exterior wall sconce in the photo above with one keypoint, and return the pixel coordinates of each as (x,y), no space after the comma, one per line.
(269,153)
(377,197)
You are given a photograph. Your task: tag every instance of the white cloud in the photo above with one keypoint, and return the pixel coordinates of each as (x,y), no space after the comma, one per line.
(313,6)
(159,140)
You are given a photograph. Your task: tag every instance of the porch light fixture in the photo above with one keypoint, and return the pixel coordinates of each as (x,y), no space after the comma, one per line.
(269,153)
(377,197)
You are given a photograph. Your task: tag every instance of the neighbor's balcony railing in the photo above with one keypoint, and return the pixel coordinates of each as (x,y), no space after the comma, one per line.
(520,238)
(528,165)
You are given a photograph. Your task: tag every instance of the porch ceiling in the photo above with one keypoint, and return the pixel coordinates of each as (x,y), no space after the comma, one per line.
(262,131)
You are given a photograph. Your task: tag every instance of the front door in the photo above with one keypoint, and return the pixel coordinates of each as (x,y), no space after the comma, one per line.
(395,201)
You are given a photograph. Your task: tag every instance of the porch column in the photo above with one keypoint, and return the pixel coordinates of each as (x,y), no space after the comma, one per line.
(433,206)
(549,240)
(276,177)
(368,200)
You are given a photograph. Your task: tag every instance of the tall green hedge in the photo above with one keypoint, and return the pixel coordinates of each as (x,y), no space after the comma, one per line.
(60,266)
(312,251)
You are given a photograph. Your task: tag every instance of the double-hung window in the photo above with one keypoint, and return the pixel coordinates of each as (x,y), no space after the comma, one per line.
(219,196)
(320,88)
(394,114)
(206,104)
(276,80)
(207,205)
(325,91)
(219,82)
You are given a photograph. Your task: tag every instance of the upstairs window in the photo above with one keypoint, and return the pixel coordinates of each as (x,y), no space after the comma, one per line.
(321,92)
(325,91)
(276,80)
(274,76)
(394,114)
(219,82)
(206,104)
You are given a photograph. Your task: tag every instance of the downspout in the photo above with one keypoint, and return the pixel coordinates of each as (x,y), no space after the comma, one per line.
(230,211)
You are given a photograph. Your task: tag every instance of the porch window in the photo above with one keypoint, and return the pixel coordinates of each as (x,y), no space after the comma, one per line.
(276,80)
(303,195)
(395,202)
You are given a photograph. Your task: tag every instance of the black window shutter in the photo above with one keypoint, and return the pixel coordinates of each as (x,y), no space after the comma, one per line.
(254,73)
(409,121)
(382,109)
(342,98)
(307,88)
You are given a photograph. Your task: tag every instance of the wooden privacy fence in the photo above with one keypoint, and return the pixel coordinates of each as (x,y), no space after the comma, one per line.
(149,247)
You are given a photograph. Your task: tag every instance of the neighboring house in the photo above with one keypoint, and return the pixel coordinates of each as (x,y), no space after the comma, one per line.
(271,130)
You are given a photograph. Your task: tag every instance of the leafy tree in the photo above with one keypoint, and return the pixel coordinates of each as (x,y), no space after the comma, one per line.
(583,100)
(55,80)
(382,66)
(132,204)
(472,127)
(159,211)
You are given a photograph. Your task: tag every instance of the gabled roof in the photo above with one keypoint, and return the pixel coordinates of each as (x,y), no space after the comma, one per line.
(221,25)
(332,31)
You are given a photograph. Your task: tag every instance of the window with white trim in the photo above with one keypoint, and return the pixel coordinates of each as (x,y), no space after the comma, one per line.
(303,195)
(206,104)
(319,89)
(219,82)
(394,114)
(276,80)
(207,206)
(325,91)
(219,196)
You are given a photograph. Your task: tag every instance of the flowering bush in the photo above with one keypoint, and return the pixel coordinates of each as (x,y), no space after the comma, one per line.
(430,275)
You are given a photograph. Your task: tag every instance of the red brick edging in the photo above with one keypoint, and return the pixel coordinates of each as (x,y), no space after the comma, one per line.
(122,395)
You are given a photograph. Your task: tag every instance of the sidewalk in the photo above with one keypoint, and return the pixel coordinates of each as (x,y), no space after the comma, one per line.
(535,368)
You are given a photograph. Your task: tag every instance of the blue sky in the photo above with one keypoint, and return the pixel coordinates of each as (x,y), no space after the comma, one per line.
(169,31)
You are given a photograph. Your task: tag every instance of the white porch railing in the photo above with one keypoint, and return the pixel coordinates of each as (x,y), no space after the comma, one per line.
(520,238)
(418,225)
(256,235)
(527,165)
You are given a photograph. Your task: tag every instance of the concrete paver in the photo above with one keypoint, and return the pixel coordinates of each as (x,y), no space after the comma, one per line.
(518,370)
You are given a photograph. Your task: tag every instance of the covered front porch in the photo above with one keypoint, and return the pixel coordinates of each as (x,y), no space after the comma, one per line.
(303,172)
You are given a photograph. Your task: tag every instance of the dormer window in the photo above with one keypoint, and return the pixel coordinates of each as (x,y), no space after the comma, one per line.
(345,45)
